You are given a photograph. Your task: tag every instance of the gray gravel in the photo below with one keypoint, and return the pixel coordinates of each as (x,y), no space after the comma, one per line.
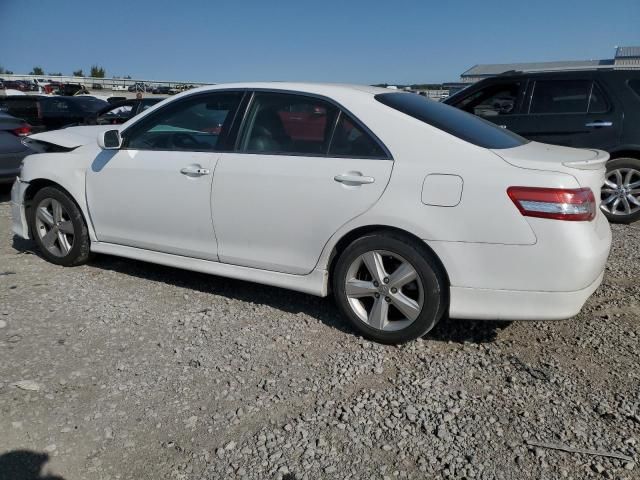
(126,370)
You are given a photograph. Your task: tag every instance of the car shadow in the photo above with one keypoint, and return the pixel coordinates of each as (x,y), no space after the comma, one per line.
(323,309)
(24,465)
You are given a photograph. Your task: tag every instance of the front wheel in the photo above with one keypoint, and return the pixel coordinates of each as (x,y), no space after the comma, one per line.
(58,228)
(390,287)
(621,190)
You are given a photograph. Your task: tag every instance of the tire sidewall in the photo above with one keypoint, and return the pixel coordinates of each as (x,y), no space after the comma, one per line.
(623,162)
(79,250)
(429,272)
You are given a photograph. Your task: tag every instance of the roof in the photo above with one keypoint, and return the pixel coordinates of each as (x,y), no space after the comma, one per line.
(327,89)
(498,68)
(626,52)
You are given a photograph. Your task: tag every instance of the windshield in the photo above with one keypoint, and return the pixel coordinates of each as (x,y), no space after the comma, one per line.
(90,104)
(461,124)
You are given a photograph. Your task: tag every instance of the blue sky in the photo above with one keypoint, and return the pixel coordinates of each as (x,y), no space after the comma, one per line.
(327,40)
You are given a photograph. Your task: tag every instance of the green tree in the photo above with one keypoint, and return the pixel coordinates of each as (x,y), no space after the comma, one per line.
(97,72)
(2,70)
(78,73)
(54,74)
(37,71)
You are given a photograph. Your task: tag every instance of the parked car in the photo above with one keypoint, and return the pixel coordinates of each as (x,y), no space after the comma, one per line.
(96,86)
(161,90)
(404,207)
(586,109)
(70,89)
(118,88)
(12,151)
(51,112)
(118,113)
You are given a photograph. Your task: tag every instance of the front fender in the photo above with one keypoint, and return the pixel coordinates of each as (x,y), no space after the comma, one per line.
(67,170)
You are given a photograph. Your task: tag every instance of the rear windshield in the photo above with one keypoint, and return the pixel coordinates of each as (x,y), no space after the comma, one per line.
(461,124)
(90,104)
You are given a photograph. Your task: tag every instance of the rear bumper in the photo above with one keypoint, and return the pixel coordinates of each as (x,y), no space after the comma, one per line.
(19,219)
(483,304)
(550,279)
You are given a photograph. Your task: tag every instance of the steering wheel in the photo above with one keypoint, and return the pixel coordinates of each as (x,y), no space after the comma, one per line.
(185,141)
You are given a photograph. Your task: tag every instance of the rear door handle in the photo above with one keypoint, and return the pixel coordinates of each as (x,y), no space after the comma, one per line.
(598,124)
(353,179)
(194,171)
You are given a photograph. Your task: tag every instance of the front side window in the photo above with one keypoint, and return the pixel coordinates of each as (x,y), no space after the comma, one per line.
(191,124)
(286,123)
(560,96)
(492,101)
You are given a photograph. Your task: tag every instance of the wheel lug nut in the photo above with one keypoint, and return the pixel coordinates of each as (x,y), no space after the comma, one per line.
(387,299)
(377,295)
(386,280)
(376,284)
(394,290)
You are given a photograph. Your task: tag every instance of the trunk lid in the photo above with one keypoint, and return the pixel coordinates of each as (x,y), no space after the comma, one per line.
(587,166)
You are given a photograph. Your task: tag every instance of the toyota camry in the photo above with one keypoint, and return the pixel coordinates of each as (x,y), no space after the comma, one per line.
(405,209)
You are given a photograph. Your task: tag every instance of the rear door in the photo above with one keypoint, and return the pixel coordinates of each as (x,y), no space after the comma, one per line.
(301,170)
(573,111)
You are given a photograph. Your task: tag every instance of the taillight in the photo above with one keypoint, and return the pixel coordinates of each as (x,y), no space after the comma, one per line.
(23,130)
(577,204)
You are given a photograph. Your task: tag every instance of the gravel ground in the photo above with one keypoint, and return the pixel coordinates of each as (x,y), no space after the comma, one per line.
(126,370)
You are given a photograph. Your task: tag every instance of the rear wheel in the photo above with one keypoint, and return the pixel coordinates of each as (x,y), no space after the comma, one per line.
(621,190)
(390,287)
(58,228)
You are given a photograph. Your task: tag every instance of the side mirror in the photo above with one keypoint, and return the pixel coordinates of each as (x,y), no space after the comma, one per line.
(110,140)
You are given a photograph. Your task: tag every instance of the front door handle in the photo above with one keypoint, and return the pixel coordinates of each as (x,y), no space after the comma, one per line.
(194,171)
(353,178)
(598,124)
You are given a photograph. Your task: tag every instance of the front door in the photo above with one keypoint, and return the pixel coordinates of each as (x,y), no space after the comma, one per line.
(302,170)
(154,193)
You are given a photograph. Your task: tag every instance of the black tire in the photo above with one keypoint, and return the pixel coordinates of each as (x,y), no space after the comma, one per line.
(626,164)
(434,284)
(79,252)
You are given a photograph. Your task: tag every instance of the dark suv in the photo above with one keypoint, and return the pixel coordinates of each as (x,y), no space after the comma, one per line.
(583,109)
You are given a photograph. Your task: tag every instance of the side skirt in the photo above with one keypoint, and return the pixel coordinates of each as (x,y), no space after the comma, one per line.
(314,283)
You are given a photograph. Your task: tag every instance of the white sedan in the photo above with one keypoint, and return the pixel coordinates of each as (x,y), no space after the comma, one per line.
(407,209)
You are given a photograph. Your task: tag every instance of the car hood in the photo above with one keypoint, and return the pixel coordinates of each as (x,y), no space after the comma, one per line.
(71,137)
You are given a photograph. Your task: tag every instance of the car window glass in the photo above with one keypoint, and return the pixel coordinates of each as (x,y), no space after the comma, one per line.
(492,101)
(451,120)
(634,84)
(560,96)
(116,115)
(54,105)
(597,102)
(286,123)
(350,140)
(190,124)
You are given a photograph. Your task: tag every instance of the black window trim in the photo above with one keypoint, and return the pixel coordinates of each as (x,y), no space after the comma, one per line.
(633,90)
(534,83)
(521,98)
(158,112)
(356,121)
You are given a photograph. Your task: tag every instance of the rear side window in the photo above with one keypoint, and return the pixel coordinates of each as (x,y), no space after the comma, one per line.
(597,101)
(560,96)
(349,140)
(288,124)
(460,124)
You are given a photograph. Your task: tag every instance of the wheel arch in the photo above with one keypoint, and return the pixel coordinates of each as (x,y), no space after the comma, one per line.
(361,231)
(38,184)
(628,152)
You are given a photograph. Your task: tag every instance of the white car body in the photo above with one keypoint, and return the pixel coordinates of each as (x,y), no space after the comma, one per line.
(276,219)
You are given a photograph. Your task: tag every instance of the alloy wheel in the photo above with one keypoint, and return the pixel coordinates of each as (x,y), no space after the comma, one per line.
(54,227)
(621,192)
(384,290)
